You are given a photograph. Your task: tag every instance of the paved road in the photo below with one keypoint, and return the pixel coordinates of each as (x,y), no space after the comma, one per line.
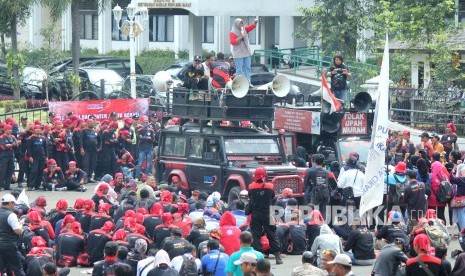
(290,262)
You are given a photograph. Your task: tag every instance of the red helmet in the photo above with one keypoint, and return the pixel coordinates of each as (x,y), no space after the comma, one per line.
(260,174)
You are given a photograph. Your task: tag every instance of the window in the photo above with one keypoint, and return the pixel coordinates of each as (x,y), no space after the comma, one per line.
(208,29)
(254,36)
(196,147)
(89,25)
(276,30)
(161,28)
(174,146)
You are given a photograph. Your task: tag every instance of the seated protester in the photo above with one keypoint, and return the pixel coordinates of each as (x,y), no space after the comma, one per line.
(180,188)
(210,221)
(107,266)
(120,223)
(126,162)
(218,203)
(86,215)
(41,227)
(163,231)
(123,252)
(230,233)
(118,183)
(144,201)
(64,225)
(282,232)
(239,213)
(360,242)
(307,268)
(417,230)
(129,225)
(79,207)
(313,227)
(137,254)
(75,178)
(138,234)
(198,211)
(175,245)
(198,233)
(98,220)
(214,235)
(195,197)
(166,200)
(153,219)
(39,206)
(96,241)
(424,261)
(196,75)
(297,235)
(220,71)
(440,252)
(182,220)
(52,177)
(390,232)
(327,240)
(144,265)
(284,197)
(125,209)
(37,257)
(69,246)
(214,261)
(148,183)
(390,258)
(101,195)
(162,265)
(120,237)
(188,263)
(58,213)
(291,205)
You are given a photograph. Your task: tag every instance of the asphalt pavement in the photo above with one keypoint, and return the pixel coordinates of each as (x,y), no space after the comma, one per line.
(290,262)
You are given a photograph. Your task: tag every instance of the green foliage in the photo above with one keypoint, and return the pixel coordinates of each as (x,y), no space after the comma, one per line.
(15,60)
(400,64)
(337,24)
(183,54)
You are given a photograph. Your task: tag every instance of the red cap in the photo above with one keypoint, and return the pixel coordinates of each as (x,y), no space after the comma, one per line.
(67,123)
(34,216)
(41,201)
(46,127)
(62,205)
(406,132)
(51,162)
(103,186)
(72,163)
(105,122)
(114,125)
(105,207)
(259,174)
(7,127)
(401,167)
(422,242)
(128,121)
(38,241)
(144,119)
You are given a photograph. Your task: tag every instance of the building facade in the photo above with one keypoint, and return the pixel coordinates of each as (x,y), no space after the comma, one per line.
(179,25)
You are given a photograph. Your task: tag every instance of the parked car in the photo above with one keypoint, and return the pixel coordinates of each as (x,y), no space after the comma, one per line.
(63,65)
(91,77)
(144,86)
(31,83)
(121,65)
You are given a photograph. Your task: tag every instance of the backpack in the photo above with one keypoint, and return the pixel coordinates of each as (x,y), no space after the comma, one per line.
(399,199)
(25,241)
(188,267)
(437,234)
(445,193)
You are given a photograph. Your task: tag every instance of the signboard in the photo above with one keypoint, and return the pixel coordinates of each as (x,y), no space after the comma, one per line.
(101,109)
(294,120)
(167,4)
(354,124)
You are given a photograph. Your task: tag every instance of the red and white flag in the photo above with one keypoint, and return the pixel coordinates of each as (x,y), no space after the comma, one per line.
(328,96)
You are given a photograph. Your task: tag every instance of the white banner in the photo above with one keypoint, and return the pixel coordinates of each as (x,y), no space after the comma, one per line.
(373,187)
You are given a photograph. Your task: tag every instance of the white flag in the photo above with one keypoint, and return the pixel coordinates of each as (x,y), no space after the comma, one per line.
(373,186)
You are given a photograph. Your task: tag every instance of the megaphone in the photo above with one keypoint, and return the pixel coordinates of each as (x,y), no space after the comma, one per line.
(239,86)
(162,81)
(362,102)
(280,86)
(331,122)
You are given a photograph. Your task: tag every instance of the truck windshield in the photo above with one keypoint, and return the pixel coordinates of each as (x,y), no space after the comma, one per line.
(252,146)
(359,146)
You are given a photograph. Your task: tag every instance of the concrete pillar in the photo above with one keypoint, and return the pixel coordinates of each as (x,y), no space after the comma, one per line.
(35,24)
(104,29)
(266,25)
(142,40)
(181,40)
(286,25)
(66,33)
(195,36)
(222,30)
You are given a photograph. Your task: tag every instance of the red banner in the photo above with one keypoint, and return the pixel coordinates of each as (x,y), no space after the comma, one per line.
(101,109)
(354,124)
(297,120)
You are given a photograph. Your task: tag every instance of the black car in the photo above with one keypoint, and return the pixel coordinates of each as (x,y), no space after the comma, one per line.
(31,84)
(144,86)
(259,73)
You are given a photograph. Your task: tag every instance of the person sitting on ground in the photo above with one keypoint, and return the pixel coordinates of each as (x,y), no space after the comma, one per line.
(440,252)
(390,258)
(105,266)
(53,177)
(327,240)
(307,268)
(360,242)
(390,232)
(75,178)
(215,261)
(162,265)
(189,253)
(418,265)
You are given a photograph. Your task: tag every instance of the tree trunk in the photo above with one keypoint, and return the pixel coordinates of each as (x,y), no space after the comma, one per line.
(76,40)
(14,51)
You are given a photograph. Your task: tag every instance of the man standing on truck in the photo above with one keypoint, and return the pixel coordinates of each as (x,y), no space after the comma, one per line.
(261,194)
(316,184)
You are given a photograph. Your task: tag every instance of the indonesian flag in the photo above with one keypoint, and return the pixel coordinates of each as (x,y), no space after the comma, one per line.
(328,96)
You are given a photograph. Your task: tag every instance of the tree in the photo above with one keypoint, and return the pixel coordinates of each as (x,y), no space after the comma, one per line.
(338,25)
(57,7)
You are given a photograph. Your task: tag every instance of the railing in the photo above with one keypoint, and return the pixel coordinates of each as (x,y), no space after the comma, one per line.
(427,109)
(31,114)
(312,58)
